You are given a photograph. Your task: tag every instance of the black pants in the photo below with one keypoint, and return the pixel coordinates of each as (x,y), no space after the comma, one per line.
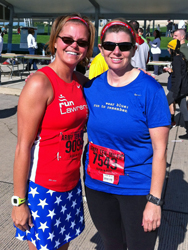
(118,219)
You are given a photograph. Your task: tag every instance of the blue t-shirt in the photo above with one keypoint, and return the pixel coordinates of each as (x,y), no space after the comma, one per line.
(119,119)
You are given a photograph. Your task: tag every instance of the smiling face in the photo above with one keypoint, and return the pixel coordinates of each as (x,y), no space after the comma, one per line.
(179,35)
(117,60)
(73,53)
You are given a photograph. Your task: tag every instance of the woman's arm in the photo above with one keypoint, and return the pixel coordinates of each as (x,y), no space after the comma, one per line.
(35,96)
(152,213)
(155,43)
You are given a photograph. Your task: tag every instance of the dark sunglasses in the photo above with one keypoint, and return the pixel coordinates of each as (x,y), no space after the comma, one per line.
(125,46)
(69,41)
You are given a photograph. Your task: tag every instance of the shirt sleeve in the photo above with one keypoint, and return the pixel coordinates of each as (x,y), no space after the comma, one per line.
(155,43)
(157,111)
(98,67)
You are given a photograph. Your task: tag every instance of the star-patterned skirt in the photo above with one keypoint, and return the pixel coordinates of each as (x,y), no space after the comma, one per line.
(58,217)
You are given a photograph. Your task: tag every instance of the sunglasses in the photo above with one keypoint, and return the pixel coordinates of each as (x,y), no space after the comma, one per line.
(125,46)
(69,41)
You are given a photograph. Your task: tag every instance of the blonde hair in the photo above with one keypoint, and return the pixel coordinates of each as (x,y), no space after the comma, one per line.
(57,27)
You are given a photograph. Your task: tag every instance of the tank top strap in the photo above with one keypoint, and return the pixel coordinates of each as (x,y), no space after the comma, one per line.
(52,76)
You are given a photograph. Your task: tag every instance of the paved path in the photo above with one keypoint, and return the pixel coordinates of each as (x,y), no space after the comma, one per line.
(173,231)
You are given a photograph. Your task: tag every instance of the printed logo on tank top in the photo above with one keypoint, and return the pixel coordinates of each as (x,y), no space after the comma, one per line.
(67,107)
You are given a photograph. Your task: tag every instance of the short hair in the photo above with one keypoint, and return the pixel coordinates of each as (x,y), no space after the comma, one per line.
(141,30)
(31,31)
(135,24)
(57,27)
(182,32)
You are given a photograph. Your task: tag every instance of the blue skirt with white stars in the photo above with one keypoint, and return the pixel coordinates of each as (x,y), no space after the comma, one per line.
(58,217)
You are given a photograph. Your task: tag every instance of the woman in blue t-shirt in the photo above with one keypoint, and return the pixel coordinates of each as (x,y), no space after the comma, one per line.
(125,160)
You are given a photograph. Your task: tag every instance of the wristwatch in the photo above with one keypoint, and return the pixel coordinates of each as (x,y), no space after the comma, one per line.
(17,201)
(154,200)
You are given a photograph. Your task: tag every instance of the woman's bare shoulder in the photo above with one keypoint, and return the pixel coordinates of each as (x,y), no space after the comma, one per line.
(37,80)
(38,85)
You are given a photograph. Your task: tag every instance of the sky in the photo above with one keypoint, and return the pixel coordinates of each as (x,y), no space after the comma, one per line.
(14,23)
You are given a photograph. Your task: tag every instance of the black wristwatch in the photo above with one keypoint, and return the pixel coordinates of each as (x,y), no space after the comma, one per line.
(154,200)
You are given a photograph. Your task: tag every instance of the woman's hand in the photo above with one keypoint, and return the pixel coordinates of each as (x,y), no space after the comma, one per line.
(147,73)
(21,217)
(151,217)
(148,40)
(28,77)
(166,69)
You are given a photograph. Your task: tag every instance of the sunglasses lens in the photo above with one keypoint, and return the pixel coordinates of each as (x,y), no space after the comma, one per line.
(109,46)
(125,46)
(122,46)
(82,43)
(67,40)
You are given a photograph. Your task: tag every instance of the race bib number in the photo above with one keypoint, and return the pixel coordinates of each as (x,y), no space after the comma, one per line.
(105,164)
(70,145)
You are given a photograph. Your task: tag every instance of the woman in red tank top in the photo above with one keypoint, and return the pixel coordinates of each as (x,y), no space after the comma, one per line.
(52,113)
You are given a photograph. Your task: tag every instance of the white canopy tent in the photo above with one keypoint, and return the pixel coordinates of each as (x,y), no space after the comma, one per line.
(95,9)
(145,9)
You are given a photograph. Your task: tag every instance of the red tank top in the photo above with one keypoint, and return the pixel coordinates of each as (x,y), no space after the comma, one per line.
(56,152)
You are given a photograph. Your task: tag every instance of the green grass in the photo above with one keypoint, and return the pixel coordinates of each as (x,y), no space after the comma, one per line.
(164,41)
(16,38)
(45,38)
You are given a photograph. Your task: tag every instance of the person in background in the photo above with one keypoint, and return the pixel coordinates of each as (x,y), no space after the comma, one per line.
(32,46)
(125,159)
(186,37)
(180,34)
(148,30)
(173,29)
(181,24)
(140,33)
(169,28)
(172,106)
(97,66)
(3,30)
(52,113)
(18,30)
(155,49)
(141,55)
(158,27)
(179,79)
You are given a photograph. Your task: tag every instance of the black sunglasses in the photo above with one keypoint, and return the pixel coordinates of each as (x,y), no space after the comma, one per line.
(69,41)
(124,46)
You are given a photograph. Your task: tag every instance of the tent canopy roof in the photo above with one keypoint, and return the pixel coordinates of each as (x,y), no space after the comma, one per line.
(107,9)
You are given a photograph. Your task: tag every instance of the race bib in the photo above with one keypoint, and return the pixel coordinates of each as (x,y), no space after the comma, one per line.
(105,164)
(70,145)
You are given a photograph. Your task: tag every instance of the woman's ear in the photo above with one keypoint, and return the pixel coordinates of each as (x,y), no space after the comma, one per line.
(100,48)
(134,50)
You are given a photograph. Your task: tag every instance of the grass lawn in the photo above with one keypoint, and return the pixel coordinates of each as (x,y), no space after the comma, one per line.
(45,38)
(16,38)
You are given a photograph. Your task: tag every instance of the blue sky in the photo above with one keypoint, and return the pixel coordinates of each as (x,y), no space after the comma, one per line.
(14,23)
